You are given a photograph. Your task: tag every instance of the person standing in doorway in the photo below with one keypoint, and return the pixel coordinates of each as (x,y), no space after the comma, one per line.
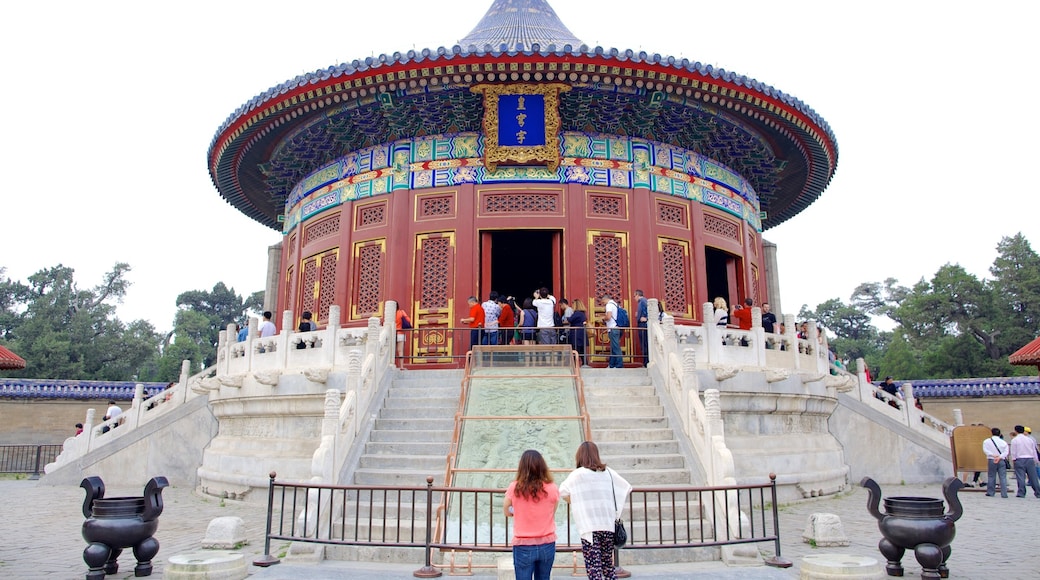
(531,501)
(475,321)
(579,321)
(506,321)
(642,316)
(528,322)
(491,313)
(610,311)
(545,303)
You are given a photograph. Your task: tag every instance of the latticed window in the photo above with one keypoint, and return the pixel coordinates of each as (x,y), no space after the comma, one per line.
(321,229)
(372,215)
(606,264)
(675,266)
(669,213)
(605,205)
(721,227)
(436,257)
(369,269)
(522,203)
(435,206)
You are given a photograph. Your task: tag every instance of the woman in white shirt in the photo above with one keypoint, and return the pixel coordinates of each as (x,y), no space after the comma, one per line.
(597,495)
(721,314)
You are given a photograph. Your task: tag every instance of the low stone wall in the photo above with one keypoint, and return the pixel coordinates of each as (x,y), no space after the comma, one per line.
(170,445)
(45,422)
(992,411)
(886,450)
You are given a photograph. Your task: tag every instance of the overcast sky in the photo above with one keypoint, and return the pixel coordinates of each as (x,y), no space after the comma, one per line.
(109,108)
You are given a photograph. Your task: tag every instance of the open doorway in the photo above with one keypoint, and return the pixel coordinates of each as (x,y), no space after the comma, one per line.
(521,261)
(720,269)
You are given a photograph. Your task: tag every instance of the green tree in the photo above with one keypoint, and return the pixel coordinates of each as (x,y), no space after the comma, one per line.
(201,315)
(65,332)
(1016,288)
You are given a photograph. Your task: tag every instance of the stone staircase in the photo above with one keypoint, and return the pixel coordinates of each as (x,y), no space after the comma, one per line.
(634,433)
(411,436)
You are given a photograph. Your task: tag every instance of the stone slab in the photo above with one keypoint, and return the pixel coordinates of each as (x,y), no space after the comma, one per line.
(206,565)
(840,566)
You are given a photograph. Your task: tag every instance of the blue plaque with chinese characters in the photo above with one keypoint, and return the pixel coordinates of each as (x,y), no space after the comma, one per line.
(521,120)
(521,124)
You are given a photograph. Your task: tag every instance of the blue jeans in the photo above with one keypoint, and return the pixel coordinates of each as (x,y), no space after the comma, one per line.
(534,561)
(615,361)
(474,337)
(490,337)
(644,343)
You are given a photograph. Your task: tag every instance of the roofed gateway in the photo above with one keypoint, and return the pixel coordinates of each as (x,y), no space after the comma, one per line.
(424,177)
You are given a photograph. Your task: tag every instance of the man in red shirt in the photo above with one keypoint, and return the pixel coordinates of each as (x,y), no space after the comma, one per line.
(742,316)
(475,320)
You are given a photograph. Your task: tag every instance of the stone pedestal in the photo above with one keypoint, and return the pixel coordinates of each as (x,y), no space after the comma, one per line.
(824,530)
(206,565)
(840,566)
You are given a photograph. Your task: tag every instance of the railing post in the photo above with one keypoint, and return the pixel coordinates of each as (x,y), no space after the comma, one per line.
(776,560)
(428,571)
(36,465)
(267,559)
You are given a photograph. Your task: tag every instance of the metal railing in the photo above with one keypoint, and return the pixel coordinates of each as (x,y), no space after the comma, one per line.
(400,516)
(27,458)
(430,346)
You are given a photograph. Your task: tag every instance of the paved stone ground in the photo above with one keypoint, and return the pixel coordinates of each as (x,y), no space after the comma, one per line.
(40,537)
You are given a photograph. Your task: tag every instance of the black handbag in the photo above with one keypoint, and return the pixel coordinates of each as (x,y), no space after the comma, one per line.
(620,534)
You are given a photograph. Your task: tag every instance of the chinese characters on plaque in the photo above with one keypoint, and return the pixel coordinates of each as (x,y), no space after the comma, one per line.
(521,124)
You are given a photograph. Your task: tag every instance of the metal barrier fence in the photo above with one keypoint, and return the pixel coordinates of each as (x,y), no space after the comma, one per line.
(27,458)
(398,516)
(444,345)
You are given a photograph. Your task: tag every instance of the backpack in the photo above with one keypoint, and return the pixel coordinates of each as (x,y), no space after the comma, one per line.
(622,317)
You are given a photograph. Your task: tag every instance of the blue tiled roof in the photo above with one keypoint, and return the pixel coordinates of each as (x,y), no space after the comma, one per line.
(75,390)
(991,387)
(519,24)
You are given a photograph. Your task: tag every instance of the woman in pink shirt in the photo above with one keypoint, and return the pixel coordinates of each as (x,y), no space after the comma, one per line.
(531,501)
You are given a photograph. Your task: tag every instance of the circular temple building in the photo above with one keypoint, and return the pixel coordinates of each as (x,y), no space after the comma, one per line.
(519,158)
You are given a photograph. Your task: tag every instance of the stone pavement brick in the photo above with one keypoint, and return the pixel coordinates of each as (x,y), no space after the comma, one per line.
(40,527)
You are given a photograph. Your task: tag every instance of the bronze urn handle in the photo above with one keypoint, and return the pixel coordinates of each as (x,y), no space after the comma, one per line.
(950,488)
(153,504)
(95,489)
(874,497)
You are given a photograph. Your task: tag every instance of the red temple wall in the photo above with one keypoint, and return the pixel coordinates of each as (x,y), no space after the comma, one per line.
(423,249)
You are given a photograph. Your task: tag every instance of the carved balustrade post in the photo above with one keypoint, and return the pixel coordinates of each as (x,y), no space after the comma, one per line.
(758,336)
(282,340)
(958,418)
(183,379)
(712,334)
(328,341)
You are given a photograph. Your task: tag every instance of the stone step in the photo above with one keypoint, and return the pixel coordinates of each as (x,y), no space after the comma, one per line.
(648,461)
(416,424)
(420,390)
(643,423)
(392,435)
(413,462)
(418,446)
(399,476)
(605,435)
(628,411)
(619,390)
(615,448)
(649,477)
(419,411)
